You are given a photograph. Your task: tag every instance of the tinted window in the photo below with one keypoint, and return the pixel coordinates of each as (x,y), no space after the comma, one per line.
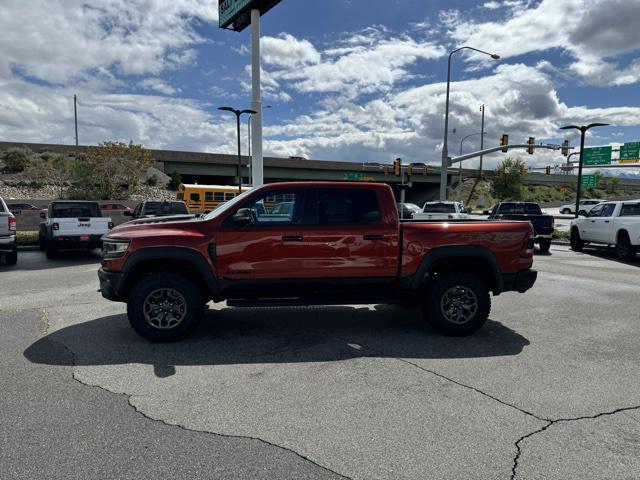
(164,208)
(630,210)
(607,210)
(229,196)
(181,196)
(75,210)
(520,209)
(338,206)
(218,196)
(194,197)
(595,211)
(439,208)
(265,213)
(208,196)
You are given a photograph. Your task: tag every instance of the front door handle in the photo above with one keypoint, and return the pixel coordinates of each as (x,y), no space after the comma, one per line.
(373,237)
(606,221)
(292,238)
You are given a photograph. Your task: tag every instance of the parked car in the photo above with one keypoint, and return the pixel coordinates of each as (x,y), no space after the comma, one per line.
(19,207)
(158,209)
(8,245)
(584,207)
(114,208)
(407,210)
(441,211)
(72,225)
(342,243)
(609,223)
(543,225)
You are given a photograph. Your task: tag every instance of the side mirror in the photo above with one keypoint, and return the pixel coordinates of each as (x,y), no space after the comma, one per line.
(242,217)
(43,215)
(127,213)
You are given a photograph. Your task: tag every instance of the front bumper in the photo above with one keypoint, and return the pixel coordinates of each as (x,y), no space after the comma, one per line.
(111,285)
(8,244)
(519,282)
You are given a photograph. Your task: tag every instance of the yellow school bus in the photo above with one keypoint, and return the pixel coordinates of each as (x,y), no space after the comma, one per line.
(204,198)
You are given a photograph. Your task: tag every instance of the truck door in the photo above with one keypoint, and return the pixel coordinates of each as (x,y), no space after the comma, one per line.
(348,237)
(588,228)
(271,247)
(602,225)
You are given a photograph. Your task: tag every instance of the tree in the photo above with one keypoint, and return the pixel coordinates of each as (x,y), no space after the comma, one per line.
(51,168)
(175,181)
(613,185)
(507,182)
(110,170)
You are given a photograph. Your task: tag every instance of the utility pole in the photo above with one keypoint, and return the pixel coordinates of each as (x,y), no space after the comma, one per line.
(481,141)
(238,114)
(257,163)
(75,114)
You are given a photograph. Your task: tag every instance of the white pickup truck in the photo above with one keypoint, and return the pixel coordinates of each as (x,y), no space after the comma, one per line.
(441,211)
(609,223)
(72,225)
(8,247)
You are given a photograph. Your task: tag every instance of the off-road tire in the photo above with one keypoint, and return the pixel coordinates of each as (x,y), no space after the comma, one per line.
(11,258)
(624,250)
(544,245)
(574,239)
(143,292)
(433,305)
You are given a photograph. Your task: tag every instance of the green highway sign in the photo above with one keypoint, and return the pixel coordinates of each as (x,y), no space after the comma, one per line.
(589,181)
(597,156)
(353,176)
(630,152)
(237,13)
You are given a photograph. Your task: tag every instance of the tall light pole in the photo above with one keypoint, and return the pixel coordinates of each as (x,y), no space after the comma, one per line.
(583,129)
(238,114)
(460,164)
(249,143)
(445,148)
(481,142)
(75,115)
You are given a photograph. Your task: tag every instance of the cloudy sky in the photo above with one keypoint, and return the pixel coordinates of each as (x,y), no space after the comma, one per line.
(357,80)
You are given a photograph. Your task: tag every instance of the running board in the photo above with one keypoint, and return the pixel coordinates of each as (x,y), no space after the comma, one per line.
(304,302)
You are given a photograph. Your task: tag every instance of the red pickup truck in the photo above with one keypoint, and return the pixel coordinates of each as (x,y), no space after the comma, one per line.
(312,243)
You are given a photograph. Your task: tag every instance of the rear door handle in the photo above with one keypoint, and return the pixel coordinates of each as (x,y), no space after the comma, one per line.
(292,238)
(606,221)
(373,237)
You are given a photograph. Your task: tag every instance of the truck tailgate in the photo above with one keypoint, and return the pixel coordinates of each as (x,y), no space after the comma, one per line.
(81,226)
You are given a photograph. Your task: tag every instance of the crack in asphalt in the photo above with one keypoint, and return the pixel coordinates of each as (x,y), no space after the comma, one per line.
(514,468)
(223,435)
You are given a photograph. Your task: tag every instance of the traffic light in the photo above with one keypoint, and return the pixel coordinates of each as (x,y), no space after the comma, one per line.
(504,141)
(397,167)
(565,148)
(531,141)
(547,170)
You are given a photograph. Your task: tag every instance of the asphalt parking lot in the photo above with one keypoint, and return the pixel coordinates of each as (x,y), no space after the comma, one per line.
(549,388)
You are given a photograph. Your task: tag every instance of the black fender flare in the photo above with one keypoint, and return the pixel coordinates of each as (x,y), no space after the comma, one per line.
(453,251)
(174,253)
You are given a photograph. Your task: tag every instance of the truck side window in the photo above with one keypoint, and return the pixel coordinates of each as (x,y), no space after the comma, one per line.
(265,211)
(630,210)
(607,210)
(354,206)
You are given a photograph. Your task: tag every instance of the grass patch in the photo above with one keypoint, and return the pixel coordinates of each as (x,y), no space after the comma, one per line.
(27,238)
(561,235)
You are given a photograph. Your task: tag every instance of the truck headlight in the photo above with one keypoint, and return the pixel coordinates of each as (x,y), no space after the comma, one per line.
(114,249)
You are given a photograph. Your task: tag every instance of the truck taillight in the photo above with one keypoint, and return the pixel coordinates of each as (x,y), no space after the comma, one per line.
(12,224)
(110,225)
(527,249)
(55,226)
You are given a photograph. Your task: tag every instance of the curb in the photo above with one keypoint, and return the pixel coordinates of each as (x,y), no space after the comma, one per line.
(28,248)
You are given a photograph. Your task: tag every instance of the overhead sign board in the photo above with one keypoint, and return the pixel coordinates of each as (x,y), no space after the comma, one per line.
(630,152)
(236,14)
(589,181)
(597,156)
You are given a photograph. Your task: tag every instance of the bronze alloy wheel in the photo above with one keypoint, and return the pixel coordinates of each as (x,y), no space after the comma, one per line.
(459,305)
(165,308)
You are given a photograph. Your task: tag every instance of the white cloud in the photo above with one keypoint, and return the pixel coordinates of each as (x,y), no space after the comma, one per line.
(591,31)
(59,41)
(287,51)
(492,5)
(158,85)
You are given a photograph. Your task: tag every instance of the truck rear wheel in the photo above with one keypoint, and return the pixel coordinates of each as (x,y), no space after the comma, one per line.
(457,304)
(12,258)
(52,250)
(545,244)
(165,307)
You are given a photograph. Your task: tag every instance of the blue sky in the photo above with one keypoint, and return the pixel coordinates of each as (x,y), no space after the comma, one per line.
(359,80)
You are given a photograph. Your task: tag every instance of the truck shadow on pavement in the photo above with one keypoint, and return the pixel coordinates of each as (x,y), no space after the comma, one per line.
(609,253)
(36,260)
(274,335)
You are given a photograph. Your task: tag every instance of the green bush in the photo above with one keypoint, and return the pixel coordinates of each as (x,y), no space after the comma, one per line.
(175,181)
(16,159)
(152,181)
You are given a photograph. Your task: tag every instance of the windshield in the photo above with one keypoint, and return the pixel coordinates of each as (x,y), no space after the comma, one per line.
(520,209)
(225,207)
(165,208)
(439,208)
(75,210)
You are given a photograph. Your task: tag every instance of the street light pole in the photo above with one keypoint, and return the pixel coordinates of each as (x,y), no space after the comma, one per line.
(481,142)
(238,114)
(249,144)
(461,142)
(75,115)
(445,148)
(583,130)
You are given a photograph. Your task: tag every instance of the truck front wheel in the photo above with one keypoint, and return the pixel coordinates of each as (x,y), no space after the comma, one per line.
(457,304)
(165,307)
